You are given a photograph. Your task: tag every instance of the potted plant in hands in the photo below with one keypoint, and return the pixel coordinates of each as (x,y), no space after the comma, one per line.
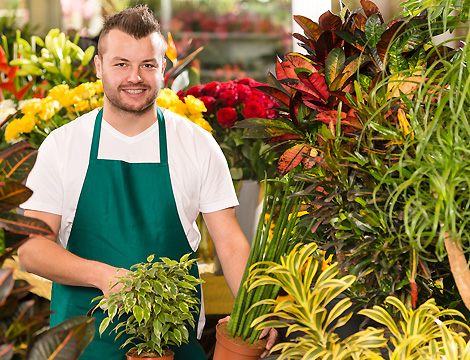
(277,233)
(156,302)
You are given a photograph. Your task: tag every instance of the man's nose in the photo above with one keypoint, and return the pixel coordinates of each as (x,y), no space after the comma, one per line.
(134,76)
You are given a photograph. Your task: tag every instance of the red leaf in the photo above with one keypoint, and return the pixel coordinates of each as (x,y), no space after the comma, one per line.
(311,28)
(281,97)
(292,157)
(370,8)
(20,94)
(316,85)
(284,137)
(295,61)
(329,21)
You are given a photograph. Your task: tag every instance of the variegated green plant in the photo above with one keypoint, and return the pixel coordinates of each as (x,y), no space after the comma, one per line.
(155,304)
(309,292)
(423,333)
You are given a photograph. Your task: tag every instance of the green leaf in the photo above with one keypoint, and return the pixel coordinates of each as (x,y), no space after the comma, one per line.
(373,29)
(20,224)
(334,65)
(12,194)
(138,313)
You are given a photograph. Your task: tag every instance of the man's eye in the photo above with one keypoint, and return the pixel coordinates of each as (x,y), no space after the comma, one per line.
(121,64)
(149,66)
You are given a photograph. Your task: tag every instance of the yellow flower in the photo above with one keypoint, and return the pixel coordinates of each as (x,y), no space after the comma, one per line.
(32,107)
(27,123)
(167,98)
(85,90)
(98,85)
(195,106)
(12,130)
(83,105)
(49,108)
(204,124)
(58,92)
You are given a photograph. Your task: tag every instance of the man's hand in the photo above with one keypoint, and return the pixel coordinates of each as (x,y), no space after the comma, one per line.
(112,285)
(270,332)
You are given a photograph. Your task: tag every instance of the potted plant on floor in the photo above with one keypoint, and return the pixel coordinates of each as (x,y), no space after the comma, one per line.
(155,303)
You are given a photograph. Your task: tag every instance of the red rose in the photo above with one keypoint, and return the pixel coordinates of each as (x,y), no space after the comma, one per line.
(229,98)
(226,117)
(196,91)
(212,89)
(244,92)
(209,101)
(253,109)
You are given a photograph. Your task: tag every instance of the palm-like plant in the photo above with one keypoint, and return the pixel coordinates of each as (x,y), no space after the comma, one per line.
(310,290)
(418,333)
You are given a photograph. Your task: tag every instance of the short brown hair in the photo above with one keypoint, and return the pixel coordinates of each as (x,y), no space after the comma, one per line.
(137,21)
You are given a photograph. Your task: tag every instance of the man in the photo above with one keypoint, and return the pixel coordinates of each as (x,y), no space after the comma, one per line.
(127,181)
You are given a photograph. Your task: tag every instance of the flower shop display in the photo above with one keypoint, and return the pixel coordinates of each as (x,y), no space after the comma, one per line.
(154,303)
(341,131)
(228,103)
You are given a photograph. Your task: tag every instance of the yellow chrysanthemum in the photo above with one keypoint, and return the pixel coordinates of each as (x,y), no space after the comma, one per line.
(32,107)
(98,85)
(96,102)
(167,98)
(49,108)
(195,106)
(69,99)
(27,123)
(83,105)
(85,90)
(12,130)
(204,124)
(58,92)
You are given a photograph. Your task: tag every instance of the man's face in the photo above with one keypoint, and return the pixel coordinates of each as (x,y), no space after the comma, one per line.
(131,71)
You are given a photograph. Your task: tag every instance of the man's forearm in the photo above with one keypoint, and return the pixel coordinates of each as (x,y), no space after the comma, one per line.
(48,259)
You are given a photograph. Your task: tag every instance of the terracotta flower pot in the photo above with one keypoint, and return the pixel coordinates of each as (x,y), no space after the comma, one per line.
(228,348)
(132,355)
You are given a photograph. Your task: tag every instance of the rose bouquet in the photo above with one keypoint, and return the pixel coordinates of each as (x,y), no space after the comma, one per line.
(226,104)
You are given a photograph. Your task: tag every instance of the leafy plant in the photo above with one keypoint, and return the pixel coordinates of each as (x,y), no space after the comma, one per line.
(304,311)
(157,302)
(419,333)
(340,130)
(20,323)
(424,333)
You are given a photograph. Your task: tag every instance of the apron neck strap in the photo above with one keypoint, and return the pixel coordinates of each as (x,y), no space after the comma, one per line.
(161,130)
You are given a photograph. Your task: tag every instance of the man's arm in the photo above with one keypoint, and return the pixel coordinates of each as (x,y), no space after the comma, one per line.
(230,243)
(44,257)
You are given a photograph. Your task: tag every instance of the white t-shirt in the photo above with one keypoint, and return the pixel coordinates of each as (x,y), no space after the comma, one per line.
(198,170)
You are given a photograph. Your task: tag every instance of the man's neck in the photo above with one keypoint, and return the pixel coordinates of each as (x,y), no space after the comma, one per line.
(127,123)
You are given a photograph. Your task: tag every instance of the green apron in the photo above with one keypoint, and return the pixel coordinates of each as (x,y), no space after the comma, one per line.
(126,212)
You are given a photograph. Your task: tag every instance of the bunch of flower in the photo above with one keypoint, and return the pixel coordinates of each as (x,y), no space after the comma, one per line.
(189,107)
(226,104)
(38,117)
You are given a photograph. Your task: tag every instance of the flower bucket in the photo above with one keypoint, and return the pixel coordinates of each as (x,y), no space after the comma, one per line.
(132,355)
(228,348)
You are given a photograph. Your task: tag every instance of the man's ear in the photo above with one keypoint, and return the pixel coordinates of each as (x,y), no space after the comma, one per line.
(98,66)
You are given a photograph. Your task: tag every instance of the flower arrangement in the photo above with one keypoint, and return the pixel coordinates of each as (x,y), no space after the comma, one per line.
(227,103)
(188,107)
(36,118)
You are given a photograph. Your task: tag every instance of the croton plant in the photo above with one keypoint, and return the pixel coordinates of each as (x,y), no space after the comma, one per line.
(341,133)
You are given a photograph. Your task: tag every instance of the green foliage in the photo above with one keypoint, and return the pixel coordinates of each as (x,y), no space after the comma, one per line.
(309,291)
(424,333)
(55,59)
(158,302)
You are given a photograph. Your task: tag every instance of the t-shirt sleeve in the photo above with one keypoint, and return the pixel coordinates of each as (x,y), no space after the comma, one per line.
(217,192)
(44,180)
